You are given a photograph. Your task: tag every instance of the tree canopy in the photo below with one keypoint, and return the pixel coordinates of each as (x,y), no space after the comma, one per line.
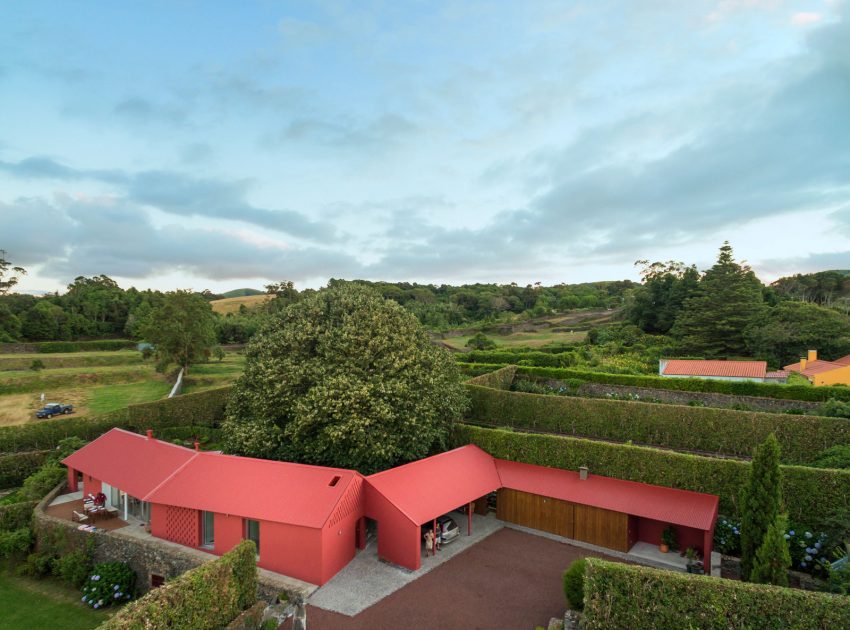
(181,329)
(344,378)
(9,275)
(761,501)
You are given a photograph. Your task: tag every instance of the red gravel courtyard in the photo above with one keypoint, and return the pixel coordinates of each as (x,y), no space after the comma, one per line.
(510,580)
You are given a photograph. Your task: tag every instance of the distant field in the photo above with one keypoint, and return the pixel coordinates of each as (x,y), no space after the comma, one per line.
(231,305)
(521,339)
(70,359)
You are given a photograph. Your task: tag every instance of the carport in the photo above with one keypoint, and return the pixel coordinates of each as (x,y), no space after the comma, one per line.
(403,499)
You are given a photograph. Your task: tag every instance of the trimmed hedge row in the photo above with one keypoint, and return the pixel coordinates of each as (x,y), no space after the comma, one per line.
(623,597)
(84,346)
(813,496)
(16,467)
(204,408)
(16,515)
(533,357)
(17,362)
(708,429)
(46,434)
(784,392)
(208,596)
(477,369)
(498,380)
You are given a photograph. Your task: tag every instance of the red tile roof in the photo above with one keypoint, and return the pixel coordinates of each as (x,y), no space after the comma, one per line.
(669,505)
(430,487)
(259,489)
(777,374)
(696,367)
(129,461)
(816,367)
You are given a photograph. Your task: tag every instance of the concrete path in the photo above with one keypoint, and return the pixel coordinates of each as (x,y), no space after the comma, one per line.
(366,580)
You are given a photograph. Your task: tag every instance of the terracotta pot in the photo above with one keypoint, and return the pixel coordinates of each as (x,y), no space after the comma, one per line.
(663,548)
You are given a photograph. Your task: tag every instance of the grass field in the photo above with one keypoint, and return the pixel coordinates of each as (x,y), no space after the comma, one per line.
(69,359)
(231,305)
(27,604)
(521,339)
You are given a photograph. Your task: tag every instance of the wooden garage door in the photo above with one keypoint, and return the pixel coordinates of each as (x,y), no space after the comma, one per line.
(602,527)
(535,511)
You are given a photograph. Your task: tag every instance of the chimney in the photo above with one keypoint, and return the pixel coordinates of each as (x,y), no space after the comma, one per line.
(802,364)
(813,355)
(150,434)
(197,445)
(582,472)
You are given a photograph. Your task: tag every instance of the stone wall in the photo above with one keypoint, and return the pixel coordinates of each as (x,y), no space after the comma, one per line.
(754,403)
(148,556)
(18,348)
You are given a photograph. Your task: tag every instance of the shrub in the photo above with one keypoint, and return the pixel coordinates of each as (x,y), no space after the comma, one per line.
(772,559)
(761,500)
(704,429)
(49,347)
(37,485)
(500,379)
(669,537)
(38,564)
(37,365)
(15,467)
(480,341)
(76,566)
(816,496)
(209,596)
(109,583)
(574,584)
(16,515)
(15,542)
(834,457)
(625,597)
(205,408)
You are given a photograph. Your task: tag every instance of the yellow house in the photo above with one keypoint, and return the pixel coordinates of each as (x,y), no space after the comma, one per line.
(820,372)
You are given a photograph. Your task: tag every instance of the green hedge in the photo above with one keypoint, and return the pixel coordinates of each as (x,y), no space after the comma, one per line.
(477,369)
(813,496)
(15,467)
(205,408)
(16,515)
(84,346)
(624,597)
(784,392)
(708,429)
(499,380)
(46,434)
(534,357)
(209,596)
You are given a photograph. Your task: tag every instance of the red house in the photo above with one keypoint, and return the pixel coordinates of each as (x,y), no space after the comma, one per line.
(308,521)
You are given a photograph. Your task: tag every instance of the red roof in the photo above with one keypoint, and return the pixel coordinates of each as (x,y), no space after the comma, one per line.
(430,487)
(256,488)
(669,505)
(777,374)
(816,367)
(698,367)
(129,461)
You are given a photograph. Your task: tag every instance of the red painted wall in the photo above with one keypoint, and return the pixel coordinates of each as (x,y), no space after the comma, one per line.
(229,531)
(72,480)
(398,537)
(91,485)
(291,550)
(650,531)
(177,524)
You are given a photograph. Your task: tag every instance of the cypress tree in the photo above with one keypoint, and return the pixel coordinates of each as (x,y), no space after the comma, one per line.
(729,298)
(760,502)
(773,558)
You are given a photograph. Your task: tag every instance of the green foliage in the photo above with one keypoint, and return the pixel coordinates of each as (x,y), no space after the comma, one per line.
(666,287)
(574,584)
(204,408)
(728,299)
(834,457)
(814,496)
(209,596)
(47,434)
(773,559)
(480,341)
(37,365)
(16,515)
(15,543)
(833,408)
(784,333)
(181,329)
(38,484)
(669,537)
(529,357)
(98,345)
(706,429)
(761,502)
(76,566)
(624,597)
(783,392)
(344,378)
(110,583)
(15,467)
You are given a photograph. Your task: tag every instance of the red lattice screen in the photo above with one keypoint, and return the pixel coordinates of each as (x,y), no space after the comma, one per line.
(182,526)
(350,501)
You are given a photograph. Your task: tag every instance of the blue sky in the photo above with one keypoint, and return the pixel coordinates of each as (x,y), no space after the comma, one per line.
(219,145)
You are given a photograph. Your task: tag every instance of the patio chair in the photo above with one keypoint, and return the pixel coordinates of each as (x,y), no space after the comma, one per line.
(80,518)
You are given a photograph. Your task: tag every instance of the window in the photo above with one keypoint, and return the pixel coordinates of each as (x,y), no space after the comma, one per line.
(252,532)
(207,529)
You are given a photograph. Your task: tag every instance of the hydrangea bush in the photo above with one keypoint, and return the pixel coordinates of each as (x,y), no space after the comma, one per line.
(110,583)
(810,551)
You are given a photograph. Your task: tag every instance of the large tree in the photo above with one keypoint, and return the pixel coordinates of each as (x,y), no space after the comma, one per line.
(761,501)
(782,334)
(9,275)
(344,378)
(773,559)
(181,329)
(729,299)
(656,304)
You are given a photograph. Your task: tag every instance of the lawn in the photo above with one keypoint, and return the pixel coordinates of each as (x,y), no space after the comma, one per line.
(111,397)
(522,339)
(36,604)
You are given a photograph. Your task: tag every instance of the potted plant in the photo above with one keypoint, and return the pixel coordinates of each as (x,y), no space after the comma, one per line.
(668,539)
(694,564)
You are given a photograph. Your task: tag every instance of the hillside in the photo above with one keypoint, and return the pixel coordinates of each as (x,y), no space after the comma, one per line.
(242,293)
(232,304)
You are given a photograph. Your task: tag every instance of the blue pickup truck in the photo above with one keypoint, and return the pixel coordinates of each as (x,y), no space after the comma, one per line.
(54,409)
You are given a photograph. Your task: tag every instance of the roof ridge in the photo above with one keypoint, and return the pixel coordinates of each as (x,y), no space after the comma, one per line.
(279,461)
(171,476)
(425,459)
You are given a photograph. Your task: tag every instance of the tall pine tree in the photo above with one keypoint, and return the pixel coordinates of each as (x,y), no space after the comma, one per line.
(713,321)
(773,558)
(760,502)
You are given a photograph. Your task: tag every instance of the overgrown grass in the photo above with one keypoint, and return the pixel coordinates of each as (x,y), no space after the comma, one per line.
(522,339)
(36,604)
(70,359)
(112,397)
